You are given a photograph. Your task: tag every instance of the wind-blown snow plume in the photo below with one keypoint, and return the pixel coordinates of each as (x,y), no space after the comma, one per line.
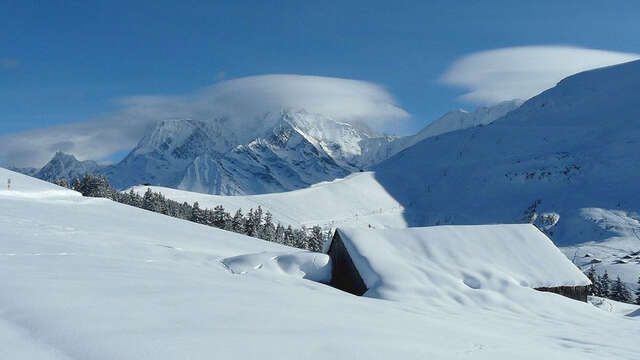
(522,72)
(243,101)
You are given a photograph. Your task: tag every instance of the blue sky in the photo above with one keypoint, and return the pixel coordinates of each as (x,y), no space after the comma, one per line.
(63,62)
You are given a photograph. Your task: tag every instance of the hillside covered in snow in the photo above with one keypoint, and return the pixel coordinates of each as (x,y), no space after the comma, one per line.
(87,278)
(566,160)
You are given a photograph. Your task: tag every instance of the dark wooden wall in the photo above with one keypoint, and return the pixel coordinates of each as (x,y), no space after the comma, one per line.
(344,275)
(574,292)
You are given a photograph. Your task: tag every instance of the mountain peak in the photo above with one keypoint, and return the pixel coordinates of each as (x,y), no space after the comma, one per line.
(66,166)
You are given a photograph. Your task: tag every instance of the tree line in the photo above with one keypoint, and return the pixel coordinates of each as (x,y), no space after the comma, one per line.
(602,286)
(255,223)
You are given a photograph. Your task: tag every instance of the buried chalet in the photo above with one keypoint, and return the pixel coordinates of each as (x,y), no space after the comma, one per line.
(435,262)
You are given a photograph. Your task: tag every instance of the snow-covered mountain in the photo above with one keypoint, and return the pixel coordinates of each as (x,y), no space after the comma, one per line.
(290,150)
(566,160)
(162,155)
(299,150)
(452,121)
(283,151)
(463,119)
(66,166)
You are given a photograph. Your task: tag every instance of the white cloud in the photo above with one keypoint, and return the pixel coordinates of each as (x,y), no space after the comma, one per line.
(522,72)
(242,100)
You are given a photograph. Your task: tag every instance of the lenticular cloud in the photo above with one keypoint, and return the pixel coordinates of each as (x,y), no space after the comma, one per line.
(523,72)
(338,98)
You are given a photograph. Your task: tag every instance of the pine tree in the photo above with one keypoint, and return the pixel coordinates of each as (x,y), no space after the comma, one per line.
(637,292)
(93,186)
(317,239)
(228,222)
(147,200)
(289,238)
(238,222)
(133,199)
(279,235)
(620,292)
(197,215)
(594,289)
(63,183)
(257,222)
(268,231)
(300,238)
(219,217)
(605,285)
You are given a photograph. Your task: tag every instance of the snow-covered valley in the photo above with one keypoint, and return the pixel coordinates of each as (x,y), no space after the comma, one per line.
(89,278)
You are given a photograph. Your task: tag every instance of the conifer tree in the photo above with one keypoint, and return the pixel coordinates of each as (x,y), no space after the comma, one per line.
(238,222)
(317,239)
(300,239)
(147,200)
(219,217)
(268,231)
(620,292)
(637,292)
(289,238)
(279,235)
(605,285)
(93,186)
(63,183)
(594,289)
(257,221)
(197,215)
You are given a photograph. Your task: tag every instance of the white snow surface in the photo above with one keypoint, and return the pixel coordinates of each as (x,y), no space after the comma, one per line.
(13,184)
(457,263)
(302,264)
(355,200)
(613,306)
(86,278)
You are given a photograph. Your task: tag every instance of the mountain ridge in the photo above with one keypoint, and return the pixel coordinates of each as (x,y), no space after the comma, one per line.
(289,150)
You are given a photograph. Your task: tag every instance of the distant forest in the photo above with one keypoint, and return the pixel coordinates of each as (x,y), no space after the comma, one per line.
(255,223)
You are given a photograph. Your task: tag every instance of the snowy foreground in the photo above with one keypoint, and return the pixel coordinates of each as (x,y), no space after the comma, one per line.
(91,279)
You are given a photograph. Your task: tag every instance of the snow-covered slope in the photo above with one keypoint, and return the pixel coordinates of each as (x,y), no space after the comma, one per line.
(462,119)
(355,200)
(17,185)
(87,278)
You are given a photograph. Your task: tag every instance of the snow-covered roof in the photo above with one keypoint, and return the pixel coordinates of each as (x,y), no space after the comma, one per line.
(449,260)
